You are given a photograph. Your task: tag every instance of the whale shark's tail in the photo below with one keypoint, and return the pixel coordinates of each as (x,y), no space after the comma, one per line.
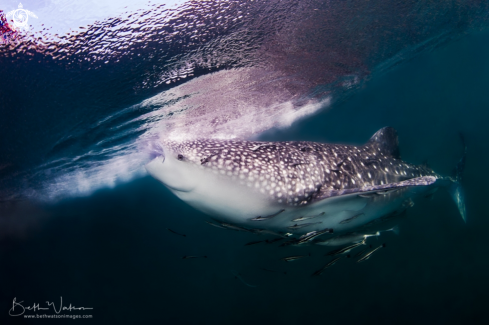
(455,189)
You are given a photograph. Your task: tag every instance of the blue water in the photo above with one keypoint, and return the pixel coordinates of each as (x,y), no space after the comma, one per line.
(79,218)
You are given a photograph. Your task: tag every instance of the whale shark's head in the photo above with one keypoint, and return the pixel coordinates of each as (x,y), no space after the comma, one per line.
(214,176)
(175,166)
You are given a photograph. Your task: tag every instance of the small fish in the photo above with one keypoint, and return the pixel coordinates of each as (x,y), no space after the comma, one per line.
(238,276)
(271,241)
(234,227)
(319,272)
(265,231)
(313,234)
(367,256)
(215,225)
(345,249)
(255,242)
(231,226)
(299,226)
(306,218)
(260,218)
(307,237)
(394,229)
(346,239)
(360,253)
(188,257)
(351,218)
(294,258)
(273,271)
(176,233)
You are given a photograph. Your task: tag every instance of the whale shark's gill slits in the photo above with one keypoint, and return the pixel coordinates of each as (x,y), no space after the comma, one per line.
(290,162)
(312,174)
(319,174)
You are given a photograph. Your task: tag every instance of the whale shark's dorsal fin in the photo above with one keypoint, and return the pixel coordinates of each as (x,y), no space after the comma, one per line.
(386,140)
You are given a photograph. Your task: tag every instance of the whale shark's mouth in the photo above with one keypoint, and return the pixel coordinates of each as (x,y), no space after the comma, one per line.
(175,174)
(155,150)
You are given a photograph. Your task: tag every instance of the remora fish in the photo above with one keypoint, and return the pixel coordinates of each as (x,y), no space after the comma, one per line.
(367,256)
(351,238)
(254,242)
(176,233)
(231,226)
(260,218)
(306,218)
(307,237)
(360,253)
(215,225)
(294,258)
(348,220)
(299,226)
(265,231)
(235,180)
(345,239)
(345,249)
(313,234)
(238,276)
(319,272)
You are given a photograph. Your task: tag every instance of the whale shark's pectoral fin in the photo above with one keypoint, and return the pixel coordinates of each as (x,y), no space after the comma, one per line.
(369,191)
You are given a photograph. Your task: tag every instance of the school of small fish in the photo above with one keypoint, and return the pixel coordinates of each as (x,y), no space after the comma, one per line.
(346,243)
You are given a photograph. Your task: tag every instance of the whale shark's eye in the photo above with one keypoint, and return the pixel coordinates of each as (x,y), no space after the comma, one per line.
(180,157)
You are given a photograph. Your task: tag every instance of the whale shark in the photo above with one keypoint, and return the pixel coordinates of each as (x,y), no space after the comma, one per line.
(297,187)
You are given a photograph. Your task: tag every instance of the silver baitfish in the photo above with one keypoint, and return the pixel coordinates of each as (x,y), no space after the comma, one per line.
(260,218)
(352,238)
(345,249)
(307,218)
(294,258)
(319,272)
(367,256)
(299,226)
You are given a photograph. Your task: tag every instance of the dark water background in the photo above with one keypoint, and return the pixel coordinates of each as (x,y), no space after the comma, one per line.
(112,251)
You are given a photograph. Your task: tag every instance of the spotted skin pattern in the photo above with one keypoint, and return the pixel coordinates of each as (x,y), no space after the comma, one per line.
(297,173)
